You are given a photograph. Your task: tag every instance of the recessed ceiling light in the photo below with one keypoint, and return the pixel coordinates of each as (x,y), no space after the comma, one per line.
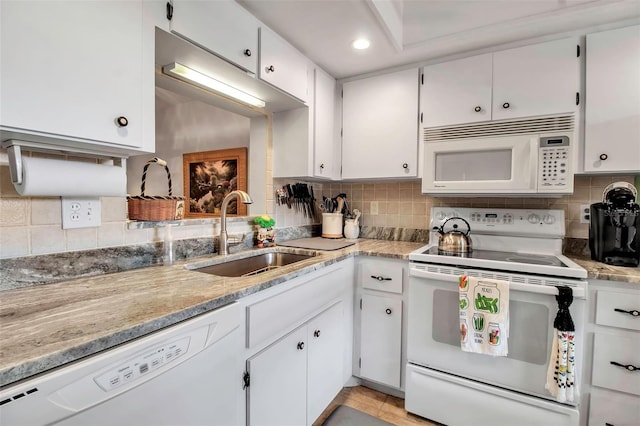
(361,43)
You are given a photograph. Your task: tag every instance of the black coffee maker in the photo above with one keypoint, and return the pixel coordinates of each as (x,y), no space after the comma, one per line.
(614,226)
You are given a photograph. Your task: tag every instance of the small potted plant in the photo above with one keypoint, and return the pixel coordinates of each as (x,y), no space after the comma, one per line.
(266,233)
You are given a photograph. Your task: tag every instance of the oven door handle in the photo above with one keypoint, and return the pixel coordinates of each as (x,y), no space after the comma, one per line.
(578,293)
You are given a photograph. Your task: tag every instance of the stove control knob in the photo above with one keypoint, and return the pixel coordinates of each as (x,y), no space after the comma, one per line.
(549,219)
(533,218)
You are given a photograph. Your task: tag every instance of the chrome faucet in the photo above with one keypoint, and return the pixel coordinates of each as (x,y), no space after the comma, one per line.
(241,196)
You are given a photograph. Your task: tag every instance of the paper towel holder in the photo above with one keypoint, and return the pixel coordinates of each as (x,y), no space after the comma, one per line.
(14,153)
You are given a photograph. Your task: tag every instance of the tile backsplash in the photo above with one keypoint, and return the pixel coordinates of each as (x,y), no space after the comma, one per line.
(402,205)
(32,225)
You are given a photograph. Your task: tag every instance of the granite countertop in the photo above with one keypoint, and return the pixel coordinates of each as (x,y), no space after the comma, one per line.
(46,326)
(602,271)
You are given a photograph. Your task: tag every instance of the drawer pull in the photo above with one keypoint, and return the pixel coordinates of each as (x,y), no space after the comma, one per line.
(634,313)
(627,367)
(380,278)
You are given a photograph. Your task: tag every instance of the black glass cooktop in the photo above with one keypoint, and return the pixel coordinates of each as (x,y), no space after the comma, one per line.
(532,259)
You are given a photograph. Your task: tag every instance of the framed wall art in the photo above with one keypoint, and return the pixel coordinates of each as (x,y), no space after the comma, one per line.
(209,176)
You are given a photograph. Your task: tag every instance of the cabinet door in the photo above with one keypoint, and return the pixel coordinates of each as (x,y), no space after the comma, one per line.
(381,339)
(326,163)
(277,394)
(69,69)
(380,126)
(456,92)
(612,117)
(536,80)
(325,360)
(222,27)
(282,65)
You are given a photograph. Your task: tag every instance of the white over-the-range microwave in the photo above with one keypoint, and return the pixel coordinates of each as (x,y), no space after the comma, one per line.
(524,157)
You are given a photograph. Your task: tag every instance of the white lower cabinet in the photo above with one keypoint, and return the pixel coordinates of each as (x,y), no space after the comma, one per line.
(293,380)
(613,382)
(379,334)
(299,346)
(381,325)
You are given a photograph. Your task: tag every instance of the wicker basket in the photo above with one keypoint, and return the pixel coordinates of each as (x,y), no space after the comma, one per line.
(155,208)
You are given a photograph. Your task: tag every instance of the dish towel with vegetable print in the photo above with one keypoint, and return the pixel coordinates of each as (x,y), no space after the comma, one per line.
(562,381)
(484,315)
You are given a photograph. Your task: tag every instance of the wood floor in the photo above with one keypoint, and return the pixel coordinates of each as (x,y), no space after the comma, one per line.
(385,407)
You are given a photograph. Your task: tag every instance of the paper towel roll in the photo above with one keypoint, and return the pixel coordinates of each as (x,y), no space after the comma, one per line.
(55,178)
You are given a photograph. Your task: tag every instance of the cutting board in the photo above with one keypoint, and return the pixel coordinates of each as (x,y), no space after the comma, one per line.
(318,243)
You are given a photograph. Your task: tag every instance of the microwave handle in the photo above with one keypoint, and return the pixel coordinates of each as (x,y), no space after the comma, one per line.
(578,293)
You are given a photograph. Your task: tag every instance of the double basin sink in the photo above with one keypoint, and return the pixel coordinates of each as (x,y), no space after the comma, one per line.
(252,265)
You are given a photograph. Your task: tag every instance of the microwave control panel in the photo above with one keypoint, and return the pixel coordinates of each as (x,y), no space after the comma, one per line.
(554,163)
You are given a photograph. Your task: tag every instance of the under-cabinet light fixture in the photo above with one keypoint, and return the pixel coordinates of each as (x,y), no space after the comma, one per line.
(209,83)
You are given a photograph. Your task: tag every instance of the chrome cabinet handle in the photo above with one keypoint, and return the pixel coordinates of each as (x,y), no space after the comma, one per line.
(633,313)
(322,165)
(627,367)
(506,105)
(405,166)
(270,68)
(247,52)
(603,157)
(300,346)
(388,311)
(478,108)
(380,278)
(316,333)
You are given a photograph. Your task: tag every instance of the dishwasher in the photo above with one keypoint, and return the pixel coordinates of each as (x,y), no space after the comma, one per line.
(186,374)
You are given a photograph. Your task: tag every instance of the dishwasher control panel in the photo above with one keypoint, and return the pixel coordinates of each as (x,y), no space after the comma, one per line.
(149,361)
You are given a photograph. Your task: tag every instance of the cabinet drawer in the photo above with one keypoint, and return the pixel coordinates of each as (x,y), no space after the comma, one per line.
(381,276)
(608,301)
(623,350)
(277,314)
(612,408)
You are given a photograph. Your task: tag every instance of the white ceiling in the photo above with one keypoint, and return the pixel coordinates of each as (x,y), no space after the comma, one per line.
(414,31)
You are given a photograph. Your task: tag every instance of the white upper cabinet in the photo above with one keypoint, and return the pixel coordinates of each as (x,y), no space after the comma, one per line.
(457,91)
(305,143)
(282,65)
(612,118)
(380,126)
(77,74)
(222,27)
(534,80)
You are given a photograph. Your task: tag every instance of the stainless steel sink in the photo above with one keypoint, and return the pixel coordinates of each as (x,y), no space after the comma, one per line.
(252,265)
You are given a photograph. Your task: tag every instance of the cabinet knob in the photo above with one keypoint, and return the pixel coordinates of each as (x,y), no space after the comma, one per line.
(247,52)
(633,313)
(122,121)
(300,346)
(506,105)
(322,165)
(628,367)
(603,157)
(316,333)
(388,311)
(405,166)
(270,68)
(478,108)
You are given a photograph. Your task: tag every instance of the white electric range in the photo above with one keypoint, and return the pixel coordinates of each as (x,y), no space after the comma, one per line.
(445,384)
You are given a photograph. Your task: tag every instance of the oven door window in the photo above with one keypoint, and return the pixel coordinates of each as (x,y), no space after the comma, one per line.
(529,327)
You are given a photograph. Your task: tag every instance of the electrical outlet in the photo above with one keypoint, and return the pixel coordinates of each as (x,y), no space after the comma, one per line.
(585,213)
(374,208)
(81,213)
